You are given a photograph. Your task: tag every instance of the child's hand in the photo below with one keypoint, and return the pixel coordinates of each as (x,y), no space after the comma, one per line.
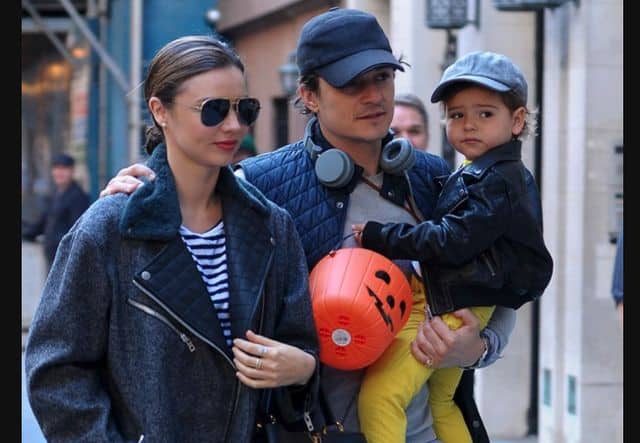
(357,233)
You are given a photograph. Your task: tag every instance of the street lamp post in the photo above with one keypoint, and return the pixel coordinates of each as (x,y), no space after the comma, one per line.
(289,75)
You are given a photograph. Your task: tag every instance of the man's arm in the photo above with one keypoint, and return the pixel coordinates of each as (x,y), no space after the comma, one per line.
(127,181)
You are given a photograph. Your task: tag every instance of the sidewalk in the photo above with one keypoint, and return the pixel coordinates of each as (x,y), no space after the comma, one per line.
(528,439)
(34,270)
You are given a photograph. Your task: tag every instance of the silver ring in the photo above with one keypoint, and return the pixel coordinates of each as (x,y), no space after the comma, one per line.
(429,362)
(258,364)
(263,350)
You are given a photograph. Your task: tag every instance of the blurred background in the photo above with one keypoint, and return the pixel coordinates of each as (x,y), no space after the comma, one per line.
(561,378)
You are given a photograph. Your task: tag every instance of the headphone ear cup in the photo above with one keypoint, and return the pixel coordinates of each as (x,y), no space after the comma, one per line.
(397,156)
(334,168)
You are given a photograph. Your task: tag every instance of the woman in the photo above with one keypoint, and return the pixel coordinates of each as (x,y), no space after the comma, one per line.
(166,312)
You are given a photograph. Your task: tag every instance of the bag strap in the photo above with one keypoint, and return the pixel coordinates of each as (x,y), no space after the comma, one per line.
(330,418)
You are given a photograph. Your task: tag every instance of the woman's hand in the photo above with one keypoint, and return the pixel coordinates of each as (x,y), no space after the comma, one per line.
(266,363)
(126,180)
(437,346)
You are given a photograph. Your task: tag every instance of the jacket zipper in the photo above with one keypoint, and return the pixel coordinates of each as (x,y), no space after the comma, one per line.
(186,340)
(458,204)
(488,263)
(189,328)
(260,324)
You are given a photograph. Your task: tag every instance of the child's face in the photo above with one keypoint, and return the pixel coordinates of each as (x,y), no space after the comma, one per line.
(478,120)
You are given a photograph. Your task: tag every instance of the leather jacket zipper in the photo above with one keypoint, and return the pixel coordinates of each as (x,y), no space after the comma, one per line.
(186,340)
(487,262)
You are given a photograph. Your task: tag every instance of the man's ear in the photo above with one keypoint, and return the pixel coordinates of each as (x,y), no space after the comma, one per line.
(158,110)
(308,98)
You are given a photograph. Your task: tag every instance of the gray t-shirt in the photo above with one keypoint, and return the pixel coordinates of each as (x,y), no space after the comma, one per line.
(342,387)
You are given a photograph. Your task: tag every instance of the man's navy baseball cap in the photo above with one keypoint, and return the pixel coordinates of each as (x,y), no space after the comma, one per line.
(493,71)
(341,44)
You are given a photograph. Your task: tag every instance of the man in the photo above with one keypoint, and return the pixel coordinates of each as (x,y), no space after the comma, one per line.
(410,120)
(63,207)
(347,84)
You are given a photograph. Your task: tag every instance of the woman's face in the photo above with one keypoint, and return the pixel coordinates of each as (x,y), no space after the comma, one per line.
(188,139)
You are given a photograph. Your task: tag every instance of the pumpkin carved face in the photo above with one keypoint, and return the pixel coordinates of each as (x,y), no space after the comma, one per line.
(360,301)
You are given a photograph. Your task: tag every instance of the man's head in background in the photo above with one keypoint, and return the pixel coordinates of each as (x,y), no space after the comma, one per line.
(62,169)
(410,120)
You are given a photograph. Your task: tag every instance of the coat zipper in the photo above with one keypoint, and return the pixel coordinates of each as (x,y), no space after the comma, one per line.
(189,328)
(186,340)
(260,324)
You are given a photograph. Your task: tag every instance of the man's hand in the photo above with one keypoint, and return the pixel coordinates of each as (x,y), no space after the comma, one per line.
(126,180)
(439,347)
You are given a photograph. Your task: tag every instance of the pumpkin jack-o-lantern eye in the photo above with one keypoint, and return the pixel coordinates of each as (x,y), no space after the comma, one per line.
(390,299)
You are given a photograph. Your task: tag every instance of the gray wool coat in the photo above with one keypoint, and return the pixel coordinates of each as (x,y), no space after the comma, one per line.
(125,343)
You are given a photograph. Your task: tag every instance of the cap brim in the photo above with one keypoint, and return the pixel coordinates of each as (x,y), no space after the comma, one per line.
(438,93)
(341,72)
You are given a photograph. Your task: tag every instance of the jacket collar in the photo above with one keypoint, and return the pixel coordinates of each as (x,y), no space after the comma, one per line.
(510,151)
(153,212)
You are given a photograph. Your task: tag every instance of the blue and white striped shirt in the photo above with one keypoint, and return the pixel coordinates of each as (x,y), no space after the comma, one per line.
(209,252)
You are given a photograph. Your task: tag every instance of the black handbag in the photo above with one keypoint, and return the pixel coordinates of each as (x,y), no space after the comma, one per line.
(271,430)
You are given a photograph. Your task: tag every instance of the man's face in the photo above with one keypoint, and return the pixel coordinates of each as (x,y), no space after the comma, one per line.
(62,175)
(358,113)
(408,123)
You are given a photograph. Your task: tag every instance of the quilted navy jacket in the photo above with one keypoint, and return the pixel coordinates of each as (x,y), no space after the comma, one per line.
(126,343)
(287,177)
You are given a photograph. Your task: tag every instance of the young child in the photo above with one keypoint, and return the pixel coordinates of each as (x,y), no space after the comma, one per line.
(483,247)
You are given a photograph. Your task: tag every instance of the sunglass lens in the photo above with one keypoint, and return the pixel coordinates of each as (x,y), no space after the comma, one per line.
(248,109)
(215,111)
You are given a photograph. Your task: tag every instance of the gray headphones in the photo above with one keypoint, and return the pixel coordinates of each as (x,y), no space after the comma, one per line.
(334,168)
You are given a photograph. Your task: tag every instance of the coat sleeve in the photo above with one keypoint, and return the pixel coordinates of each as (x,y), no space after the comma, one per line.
(66,346)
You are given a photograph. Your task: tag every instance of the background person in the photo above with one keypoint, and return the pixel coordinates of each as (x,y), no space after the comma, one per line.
(62,208)
(410,120)
(168,311)
(347,85)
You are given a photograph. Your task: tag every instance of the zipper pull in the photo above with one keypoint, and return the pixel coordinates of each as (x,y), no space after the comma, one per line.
(187,342)
(307,421)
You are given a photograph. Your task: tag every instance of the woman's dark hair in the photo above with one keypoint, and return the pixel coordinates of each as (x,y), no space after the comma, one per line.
(176,62)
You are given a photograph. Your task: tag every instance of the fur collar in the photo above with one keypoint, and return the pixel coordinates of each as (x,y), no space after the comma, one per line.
(152,212)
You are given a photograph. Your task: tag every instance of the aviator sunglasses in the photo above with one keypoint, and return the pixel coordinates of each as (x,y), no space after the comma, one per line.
(213,111)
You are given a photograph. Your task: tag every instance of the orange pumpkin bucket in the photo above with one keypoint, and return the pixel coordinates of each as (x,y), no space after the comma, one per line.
(360,301)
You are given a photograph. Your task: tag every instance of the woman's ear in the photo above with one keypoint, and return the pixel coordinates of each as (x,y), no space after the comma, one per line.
(158,110)
(519,118)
